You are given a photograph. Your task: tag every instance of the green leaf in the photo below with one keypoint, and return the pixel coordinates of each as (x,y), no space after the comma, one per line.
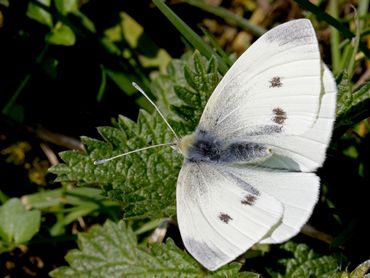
(344,98)
(26,226)
(362,270)
(16,224)
(39,14)
(362,94)
(145,182)
(306,263)
(186,95)
(351,108)
(112,250)
(66,6)
(202,78)
(61,35)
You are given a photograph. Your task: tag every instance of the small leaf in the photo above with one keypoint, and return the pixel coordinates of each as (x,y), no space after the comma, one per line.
(344,98)
(191,78)
(202,82)
(61,35)
(361,270)
(351,110)
(362,94)
(163,88)
(7,211)
(16,224)
(200,68)
(186,95)
(112,250)
(187,113)
(212,65)
(26,226)
(66,6)
(39,14)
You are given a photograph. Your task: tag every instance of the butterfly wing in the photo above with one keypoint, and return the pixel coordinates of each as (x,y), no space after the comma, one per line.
(220,215)
(298,193)
(273,87)
(305,152)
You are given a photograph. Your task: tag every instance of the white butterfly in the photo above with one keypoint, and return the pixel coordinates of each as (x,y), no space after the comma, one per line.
(247,175)
(247,172)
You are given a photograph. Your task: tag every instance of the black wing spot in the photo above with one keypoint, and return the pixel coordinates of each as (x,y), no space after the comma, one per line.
(224,217)
(279,116)
(275,82)
(249,200)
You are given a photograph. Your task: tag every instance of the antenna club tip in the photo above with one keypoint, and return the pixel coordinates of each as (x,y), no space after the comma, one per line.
(98,162)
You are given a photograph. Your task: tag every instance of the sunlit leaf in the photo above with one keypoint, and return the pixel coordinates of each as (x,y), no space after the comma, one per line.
(39,14)
(61,35)
(17,225)
(112,251)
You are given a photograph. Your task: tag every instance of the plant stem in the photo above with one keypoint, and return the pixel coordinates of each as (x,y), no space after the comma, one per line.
(8,106)
(333,22)
(228,16)
(193,38)
(334,38)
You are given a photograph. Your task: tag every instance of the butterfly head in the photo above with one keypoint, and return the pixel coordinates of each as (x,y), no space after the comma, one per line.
(184,143)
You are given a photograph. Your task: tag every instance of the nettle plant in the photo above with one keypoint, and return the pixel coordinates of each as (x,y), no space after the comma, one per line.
(145,184)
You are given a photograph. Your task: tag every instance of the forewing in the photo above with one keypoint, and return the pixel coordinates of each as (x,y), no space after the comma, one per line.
(220,215)
(274,85)
(305,152)
(298,193)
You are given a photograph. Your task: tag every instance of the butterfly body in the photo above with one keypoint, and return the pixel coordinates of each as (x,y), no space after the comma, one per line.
(204,147)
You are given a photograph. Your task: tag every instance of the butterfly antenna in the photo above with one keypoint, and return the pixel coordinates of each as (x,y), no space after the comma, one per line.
(156,108)
(102,161)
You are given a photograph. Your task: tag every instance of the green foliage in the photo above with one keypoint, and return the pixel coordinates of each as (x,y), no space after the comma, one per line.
(344,98)
(60,33)
(201,83)
(17,225)
(144,182)
(360,271)
(306,263)
(112,250)
(39,14)
(71,204)
(352,107)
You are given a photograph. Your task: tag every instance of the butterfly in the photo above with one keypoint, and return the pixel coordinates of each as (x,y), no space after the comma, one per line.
(248,171)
